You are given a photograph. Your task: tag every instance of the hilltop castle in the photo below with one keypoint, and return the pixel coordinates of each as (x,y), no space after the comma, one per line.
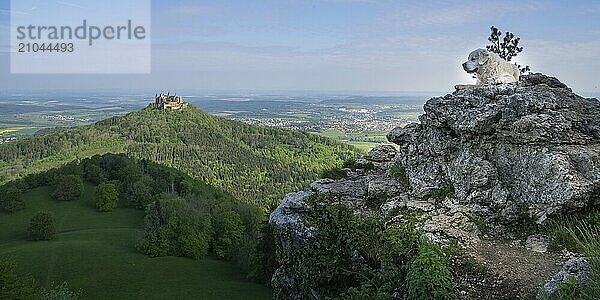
(168,101)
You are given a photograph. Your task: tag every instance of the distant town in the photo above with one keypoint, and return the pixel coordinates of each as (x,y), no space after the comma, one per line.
(64,118)
(349,120)
(359,120)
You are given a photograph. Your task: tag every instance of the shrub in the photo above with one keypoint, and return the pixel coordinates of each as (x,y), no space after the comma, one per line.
(349,163)
(445,191)
(262,261)
(429,276)
(106,197)
(399,172)
(520,224)
(333,173)
(93,172)
(351,256)
(14,285)
(11,199)
(193,234)
(68,188)
(374,202)
(60,292)
(42,226)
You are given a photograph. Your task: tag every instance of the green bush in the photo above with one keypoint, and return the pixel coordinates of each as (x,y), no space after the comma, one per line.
(68,188)
(11,199)
(262,259)
(445,191)
(349,163)
(399,172)
(351,256)
(106,197)
(42,226)
(374,202)
(14,285)
(333,173)
(429,276)
(60,292)
(93,172)
(520,224)
(193,234)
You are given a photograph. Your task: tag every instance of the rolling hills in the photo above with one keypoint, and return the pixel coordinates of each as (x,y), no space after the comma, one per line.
(94,252)
(255,164)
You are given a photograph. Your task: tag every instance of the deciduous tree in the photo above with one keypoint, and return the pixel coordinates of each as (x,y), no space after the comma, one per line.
(68,188)
(42,226)
(11,199)
(107,195)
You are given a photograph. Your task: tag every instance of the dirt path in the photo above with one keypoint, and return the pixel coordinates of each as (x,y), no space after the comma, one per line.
(507,270)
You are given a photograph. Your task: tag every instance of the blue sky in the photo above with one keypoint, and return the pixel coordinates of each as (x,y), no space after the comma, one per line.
(341,45)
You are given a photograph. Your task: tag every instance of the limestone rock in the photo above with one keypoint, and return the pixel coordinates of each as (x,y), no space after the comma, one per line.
(577,267)
(529,148)
(537,243)
(287,217)
(532,147)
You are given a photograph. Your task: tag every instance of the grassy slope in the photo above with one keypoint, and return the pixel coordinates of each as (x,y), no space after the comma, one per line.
(95,252)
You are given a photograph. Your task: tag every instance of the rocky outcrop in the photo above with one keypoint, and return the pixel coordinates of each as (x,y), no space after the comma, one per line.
(529,149)
(577,268)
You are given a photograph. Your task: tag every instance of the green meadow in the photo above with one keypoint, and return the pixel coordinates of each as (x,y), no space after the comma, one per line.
(364,141)
(94,252)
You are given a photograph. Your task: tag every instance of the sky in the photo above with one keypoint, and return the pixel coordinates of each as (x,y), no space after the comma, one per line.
(340,45)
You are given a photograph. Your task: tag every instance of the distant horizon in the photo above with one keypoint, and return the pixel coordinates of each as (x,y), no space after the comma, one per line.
(150,92)
(217,91)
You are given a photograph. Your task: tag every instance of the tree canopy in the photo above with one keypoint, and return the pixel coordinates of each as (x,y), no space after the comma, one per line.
(256,164)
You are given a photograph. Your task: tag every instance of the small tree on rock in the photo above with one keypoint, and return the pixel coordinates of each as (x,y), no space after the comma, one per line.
(42,226)
(507,47)
(106,197)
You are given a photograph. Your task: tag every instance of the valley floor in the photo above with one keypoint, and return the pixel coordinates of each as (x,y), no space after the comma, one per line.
(94,252)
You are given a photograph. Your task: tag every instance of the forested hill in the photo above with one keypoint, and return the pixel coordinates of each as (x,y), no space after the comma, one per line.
(256,164)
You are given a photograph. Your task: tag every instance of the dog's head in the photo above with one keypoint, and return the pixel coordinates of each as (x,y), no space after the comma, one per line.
(476,59)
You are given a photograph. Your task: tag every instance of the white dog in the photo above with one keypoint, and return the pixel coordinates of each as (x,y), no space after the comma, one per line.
(491,68)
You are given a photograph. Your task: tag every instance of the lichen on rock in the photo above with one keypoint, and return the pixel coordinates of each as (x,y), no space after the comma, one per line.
(533,144)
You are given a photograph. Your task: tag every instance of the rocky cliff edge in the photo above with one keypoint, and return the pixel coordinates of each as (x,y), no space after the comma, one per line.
(478,158)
